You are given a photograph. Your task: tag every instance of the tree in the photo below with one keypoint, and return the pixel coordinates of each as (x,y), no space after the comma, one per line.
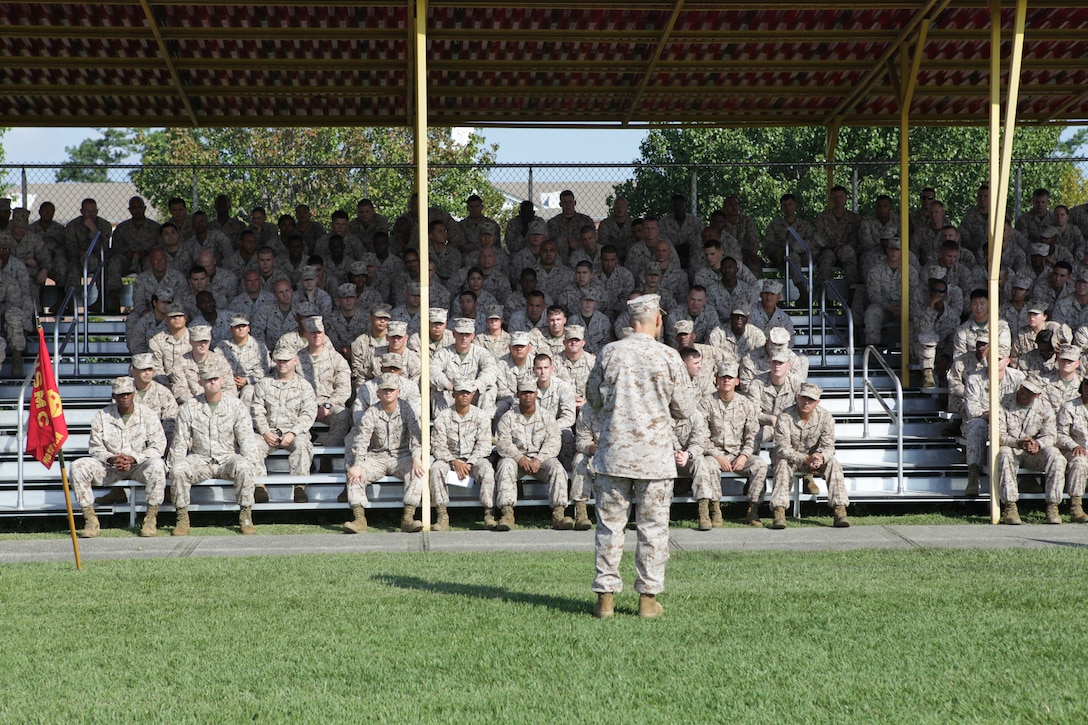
(327,168)
(90,161)
(762,164)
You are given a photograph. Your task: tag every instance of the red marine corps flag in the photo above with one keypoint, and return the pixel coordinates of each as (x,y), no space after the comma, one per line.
(46,430)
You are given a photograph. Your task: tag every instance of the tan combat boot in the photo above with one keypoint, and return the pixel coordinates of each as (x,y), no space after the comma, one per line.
(91,529)
(181,528)
(1076,511)
(150,521)
(260,494)
(841,522)
(245,521)
(560,521)
(408,523)
(974,472)
(929,382)
(582,521)
(1052,515)
(752,517)
(300,495)
(704,515)
(605,606)
(1009,514)
(489,518)
(116,495)
(716,513)
(442,519)
(506,519)
(358,524)
(649,607)
(779,521)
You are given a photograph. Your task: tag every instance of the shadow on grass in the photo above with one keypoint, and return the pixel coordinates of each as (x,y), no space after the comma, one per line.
(1071,544)
(561,604)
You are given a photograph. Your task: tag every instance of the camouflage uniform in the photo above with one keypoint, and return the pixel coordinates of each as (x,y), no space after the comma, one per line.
(330,377)
(703,323)
(558,399)
(563,230)
(1070,312)
(270,323)
(758,363)
(1072,431)
(736,347)
(976,403)
(836,240)
(759,319)
(167,351)
(778,235)
(598,331)
(385,444)
(883,285)
(1034,421)
(212,444)
(12,301)
(587,433)
(141,437)
(77,239)
(967,334)
(635,386)
(733,428)
(129,237)
(466,439)
(771,402)
(576,372)
(870,233)
(138,334)
(497,346)
(613,232)
(962,367)
(184,383)
(250,361)
(793,442)
(367,396)
(616,288)
(690,435)
(286,406)
(158,398)
(448,366)
(536,436)
(362,353)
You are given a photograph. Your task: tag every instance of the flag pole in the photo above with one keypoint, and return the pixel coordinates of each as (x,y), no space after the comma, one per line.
(68,505)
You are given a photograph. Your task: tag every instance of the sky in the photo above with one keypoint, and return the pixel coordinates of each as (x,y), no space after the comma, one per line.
(46,145)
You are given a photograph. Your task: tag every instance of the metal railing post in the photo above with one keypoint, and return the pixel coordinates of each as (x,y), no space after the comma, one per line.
(196,191)
(828,287)
(1018,190)
(23,191)
(896,415)
(529,188)
(695,192)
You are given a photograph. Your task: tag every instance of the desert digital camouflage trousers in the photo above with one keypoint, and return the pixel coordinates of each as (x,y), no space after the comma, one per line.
(831,472)
(551,472)
(614,498)
(482,472)
(1048,459)
(196,468)
(376,465)
(88,472)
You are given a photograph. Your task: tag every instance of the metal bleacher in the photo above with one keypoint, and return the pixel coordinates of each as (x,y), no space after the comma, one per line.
(889,438)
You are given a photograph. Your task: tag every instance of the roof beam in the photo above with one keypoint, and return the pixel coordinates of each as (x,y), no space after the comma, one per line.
(164,53)
(636,98)
(931,10)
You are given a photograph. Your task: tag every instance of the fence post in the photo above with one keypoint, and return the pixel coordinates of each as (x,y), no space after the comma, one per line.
(854,189)
(529,195)
(695,192)
(366,183)
(25,204)
(196,192)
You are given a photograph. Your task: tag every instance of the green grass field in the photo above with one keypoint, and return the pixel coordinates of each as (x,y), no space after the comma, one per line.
(863,636)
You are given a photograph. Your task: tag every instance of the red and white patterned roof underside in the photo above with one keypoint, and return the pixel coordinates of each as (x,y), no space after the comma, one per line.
(490,63)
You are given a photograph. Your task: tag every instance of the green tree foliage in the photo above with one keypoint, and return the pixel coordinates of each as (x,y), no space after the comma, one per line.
(89,161)
(762,164)
(327,168)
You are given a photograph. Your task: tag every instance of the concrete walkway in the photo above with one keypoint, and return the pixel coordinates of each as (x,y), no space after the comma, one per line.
(805,538)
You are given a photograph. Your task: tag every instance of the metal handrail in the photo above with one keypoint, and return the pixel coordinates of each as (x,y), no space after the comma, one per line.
(73,328)
(896,415)
(89,282)
(825,320)
(790,264)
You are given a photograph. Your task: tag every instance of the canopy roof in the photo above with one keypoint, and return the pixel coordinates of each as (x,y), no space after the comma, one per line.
(561,62)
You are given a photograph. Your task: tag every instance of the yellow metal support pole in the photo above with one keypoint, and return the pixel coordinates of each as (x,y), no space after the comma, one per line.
(998,199)
(832,146)
(909,81)
(420,94)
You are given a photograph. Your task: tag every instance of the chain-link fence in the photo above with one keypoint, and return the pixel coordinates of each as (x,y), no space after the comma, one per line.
(648,188)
